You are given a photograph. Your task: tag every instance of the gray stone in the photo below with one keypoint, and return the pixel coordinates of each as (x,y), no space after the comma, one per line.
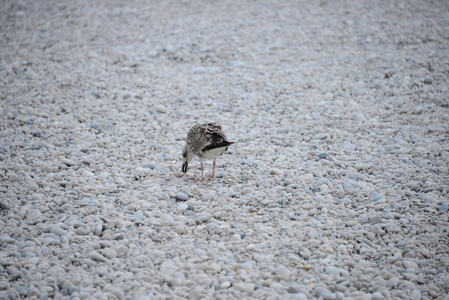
(288,182)
(109,253)
(331,270)
(377,197)
(33,214)
(94,255)
(393,282)
(410,264)
(160,109)
(376,220)
(68,162)
(443,207)
(95,125)
(283,273)
(182,196)
(362,219)
(312,233)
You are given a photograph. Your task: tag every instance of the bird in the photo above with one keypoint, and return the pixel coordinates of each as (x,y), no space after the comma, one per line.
(207,141)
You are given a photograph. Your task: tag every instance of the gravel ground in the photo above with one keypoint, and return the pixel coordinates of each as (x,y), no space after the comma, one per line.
(337,186)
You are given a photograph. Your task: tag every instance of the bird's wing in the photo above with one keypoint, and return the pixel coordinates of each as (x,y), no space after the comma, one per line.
(215,136)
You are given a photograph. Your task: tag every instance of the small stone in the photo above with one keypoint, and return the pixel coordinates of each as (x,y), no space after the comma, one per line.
(202,218)
(158,253)
(364,143)
(117,292)
(415,294)
(33,214)
(422,263)
(180,229)
(377,197)
(81,231)
(283,273)
(247,190)
(238,63)
(140,172)
(244,287)
(322,155)
(94,255)
(32,186)
(319,136)
(443,207)
(95,94)
(160,109)
(305,253)
(199,70)
(109,253)
(182,196)
(298,296)
(319,198)
(320,291)
(46,169)
(349,147)
(101,271)
(288,182)
(183,207)
(331,270)
(376,220)
(149,165)
(392,282)
(68,162)
(7,261)
(98,229)
(433,288)
(351,223)
(362,219)
(208,197)
(95,125)
(58,231)
(6,239)
(410,264)
(329,296)
(215,267)
(110,188)
(312,233)
(323,181)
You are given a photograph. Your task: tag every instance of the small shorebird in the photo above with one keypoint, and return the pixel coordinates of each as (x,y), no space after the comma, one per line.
(207,141)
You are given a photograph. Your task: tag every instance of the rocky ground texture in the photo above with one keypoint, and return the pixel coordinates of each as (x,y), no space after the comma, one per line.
(337,186)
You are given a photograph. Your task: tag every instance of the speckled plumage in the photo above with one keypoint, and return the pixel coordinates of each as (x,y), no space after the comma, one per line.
(207,141)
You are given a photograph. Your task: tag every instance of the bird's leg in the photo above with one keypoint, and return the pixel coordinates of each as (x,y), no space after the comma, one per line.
(213,172)
(202,171)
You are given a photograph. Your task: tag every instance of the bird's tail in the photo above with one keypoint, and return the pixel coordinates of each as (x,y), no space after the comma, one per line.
(218,145)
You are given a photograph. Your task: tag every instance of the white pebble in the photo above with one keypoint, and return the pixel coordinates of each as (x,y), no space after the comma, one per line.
(109,253)
(312,233)
(33,214)
(283,273)
(331,270)
(160,109)
(94,255)
(362,219)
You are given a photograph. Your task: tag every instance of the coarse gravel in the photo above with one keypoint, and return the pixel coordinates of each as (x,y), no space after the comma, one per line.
(336,187)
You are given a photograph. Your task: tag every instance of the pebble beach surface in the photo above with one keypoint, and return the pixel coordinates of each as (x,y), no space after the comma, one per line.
(336,187)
